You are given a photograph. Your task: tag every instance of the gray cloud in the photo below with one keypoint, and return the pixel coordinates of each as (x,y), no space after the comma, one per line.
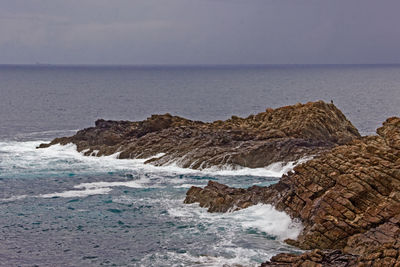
(199,31)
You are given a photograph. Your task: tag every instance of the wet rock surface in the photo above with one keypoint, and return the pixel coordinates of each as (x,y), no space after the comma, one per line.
(283,134)
(348,199)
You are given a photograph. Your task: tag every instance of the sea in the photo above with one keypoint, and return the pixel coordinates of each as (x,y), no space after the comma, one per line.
(60,208)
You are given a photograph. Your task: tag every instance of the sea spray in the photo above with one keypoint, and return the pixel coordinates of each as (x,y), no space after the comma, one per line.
(23,159)
(125,199)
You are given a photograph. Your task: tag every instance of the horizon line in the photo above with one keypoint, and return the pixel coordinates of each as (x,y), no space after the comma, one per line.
(190,65)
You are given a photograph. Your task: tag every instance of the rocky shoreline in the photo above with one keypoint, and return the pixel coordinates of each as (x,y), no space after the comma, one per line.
(276,135)
(348,200)
(347,196)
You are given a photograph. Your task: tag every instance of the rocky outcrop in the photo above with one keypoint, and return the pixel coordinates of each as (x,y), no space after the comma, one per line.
(315,258)
(385,256)
(282,134)
(222,198)
(347,198)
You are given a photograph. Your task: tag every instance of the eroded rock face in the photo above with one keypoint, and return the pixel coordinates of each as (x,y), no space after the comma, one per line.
(387,256)
(347,198)
(349,195)
(283,134)
(221,198)
(315,258)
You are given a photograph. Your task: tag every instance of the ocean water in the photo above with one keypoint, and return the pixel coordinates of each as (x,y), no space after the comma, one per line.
(59,208)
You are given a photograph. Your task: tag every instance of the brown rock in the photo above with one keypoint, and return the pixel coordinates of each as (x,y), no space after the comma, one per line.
(282,134)
(329,258)
(347,198)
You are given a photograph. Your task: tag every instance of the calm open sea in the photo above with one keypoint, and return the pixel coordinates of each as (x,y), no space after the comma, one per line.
(59,208)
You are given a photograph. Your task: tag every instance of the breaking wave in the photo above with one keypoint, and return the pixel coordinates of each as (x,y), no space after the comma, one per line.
(23,159)
(60,174)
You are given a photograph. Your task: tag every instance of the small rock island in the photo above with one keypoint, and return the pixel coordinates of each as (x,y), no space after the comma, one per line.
(276,135)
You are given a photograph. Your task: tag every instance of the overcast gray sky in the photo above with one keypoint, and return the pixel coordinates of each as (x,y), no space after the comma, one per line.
(199,31)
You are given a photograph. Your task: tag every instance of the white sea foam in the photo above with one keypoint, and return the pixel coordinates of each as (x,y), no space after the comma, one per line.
(228,226)
(185,185)
(98,185)
(23,157)
(96,188)
(276,169)
(78,193)
(264,218)
(13,198)
(267,219)
(242,258)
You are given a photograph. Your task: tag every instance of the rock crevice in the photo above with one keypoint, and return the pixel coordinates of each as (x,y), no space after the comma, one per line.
(348,199)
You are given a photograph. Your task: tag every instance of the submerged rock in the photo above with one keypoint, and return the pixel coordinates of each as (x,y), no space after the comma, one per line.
(283,134)
(348,199)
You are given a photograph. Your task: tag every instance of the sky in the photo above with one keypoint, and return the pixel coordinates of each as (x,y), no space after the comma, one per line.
(137,32)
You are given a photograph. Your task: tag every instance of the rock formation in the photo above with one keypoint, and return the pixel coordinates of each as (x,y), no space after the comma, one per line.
(282,134)
(347,198)
(315,258)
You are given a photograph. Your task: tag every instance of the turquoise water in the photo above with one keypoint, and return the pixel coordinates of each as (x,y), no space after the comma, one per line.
(59,208)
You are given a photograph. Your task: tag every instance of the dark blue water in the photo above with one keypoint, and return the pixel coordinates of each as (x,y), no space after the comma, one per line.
(59,208)
(46,98)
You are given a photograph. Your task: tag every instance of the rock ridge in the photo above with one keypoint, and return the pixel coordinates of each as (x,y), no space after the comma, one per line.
(348,200)
(283,134)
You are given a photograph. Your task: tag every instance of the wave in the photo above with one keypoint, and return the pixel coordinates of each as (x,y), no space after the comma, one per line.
(259,220)
(268,220)
(263,217)
(13,198)
(95,188)
(276,169)
(243,257)
(23,159)
(78,193)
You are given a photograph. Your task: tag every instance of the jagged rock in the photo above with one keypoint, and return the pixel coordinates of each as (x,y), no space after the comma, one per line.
(221,198)
(387,255)
(315,258)
(347,198)
(349,194)
(282,134)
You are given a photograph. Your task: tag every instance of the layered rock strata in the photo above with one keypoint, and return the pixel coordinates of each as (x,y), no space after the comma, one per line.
(347,198)
(315,258)
(282,134)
